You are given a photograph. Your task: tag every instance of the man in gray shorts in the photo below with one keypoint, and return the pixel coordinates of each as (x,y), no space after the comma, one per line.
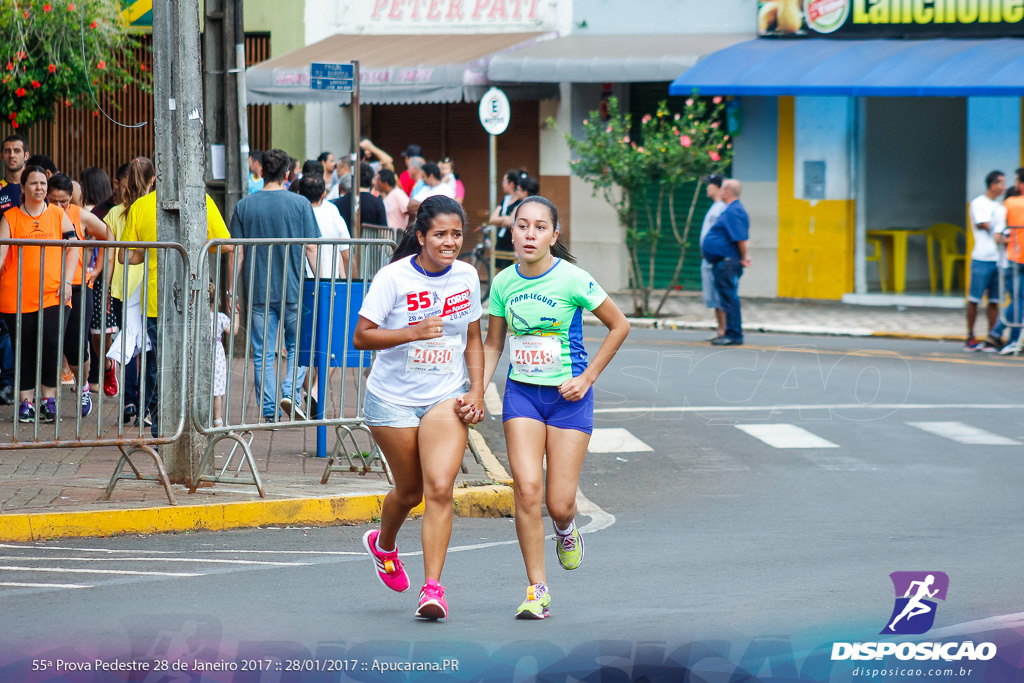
(707,280)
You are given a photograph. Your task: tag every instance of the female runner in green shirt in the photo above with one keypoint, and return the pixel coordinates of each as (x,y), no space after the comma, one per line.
(549,403)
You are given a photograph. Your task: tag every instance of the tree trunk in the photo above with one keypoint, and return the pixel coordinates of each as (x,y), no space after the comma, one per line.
(679,238)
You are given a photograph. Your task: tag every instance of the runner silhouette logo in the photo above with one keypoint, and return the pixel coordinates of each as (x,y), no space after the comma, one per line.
(916,592)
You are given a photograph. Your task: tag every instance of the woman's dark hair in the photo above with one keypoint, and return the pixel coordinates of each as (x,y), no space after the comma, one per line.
(29,168)
(26,172)
(95,186)
(431,208)
(365,176)
(529,185)
(514,175)
(275,165)
(60,182)
(558,249)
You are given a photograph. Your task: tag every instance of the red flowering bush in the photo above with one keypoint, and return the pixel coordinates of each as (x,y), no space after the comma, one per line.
(42,57)
(635,176)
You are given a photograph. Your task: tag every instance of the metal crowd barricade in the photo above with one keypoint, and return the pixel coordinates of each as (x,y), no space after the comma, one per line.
(99,427)
(313,342)
(1011,282)
(375,260)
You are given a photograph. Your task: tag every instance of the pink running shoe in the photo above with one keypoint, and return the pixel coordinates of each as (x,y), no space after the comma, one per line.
(433,606)
(389,568)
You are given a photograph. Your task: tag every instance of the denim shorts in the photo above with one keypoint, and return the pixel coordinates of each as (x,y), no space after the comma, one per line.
(380,413)
(984,278)
(707,286)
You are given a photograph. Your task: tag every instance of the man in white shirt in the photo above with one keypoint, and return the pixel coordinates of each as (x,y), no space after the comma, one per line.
(988,219)
(432,185)
(396,202)
(333,259)
(707,280)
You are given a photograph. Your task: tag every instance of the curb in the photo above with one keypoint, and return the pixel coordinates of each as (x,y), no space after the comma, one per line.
(676,324)
(477,501)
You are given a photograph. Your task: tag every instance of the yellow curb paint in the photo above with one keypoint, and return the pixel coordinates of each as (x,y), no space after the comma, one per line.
(494,469)
(15,528)
(477,501)
(484,501)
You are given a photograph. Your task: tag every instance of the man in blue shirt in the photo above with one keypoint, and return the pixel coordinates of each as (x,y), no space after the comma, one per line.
(725,248)
(272,273)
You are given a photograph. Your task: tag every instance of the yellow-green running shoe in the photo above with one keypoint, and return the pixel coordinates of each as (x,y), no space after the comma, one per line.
(569,549)
(537,602)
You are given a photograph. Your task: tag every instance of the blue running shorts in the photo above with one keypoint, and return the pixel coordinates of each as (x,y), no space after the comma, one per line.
(545,404)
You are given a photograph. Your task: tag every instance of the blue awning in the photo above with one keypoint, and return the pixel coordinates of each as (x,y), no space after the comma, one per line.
(940,67)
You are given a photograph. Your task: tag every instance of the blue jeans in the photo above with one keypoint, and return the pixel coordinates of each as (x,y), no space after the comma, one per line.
(264,355)
(727,274)
(1013,310)
(6,357)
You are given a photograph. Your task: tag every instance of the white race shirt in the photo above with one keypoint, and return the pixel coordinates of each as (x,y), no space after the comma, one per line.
(401,295)
(332,227)
(991,211)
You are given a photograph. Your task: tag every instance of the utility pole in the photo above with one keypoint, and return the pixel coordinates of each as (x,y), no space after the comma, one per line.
(181,215)
(224,86)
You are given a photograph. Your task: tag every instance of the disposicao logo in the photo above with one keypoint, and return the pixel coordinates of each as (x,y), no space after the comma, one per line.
(914,614)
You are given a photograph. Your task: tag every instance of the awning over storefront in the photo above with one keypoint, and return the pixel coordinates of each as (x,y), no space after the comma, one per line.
(608,58)
(942,67)
(394,69)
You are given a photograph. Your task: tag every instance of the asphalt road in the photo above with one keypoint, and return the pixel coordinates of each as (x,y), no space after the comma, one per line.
(888,456)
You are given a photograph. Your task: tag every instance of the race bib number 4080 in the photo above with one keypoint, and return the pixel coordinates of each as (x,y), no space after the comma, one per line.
(533,355)
(435,356)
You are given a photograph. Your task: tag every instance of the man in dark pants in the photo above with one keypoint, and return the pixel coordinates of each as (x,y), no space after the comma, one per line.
(725,248)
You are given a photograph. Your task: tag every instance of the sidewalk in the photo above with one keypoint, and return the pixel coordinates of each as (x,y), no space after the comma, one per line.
(51,493)
(58,492)
(686,310)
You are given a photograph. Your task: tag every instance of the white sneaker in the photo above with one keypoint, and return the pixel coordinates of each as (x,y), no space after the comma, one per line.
(286,408)
(1010,349)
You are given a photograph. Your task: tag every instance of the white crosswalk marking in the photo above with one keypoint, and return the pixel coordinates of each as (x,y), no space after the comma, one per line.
(14,584)
(616,440)
(962,433)
(124,572)
(786,436)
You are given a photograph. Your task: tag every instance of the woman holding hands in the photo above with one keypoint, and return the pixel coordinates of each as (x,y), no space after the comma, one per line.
(422,316)
(548,405)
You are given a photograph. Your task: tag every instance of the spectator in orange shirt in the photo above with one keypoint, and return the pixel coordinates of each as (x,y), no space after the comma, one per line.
(40,268)
(1013,276)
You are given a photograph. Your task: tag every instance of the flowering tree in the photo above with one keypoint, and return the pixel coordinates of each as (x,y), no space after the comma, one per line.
(56,51)
(673,149)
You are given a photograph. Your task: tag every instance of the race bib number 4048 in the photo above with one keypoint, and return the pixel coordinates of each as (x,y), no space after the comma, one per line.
(435,356)
(533,355)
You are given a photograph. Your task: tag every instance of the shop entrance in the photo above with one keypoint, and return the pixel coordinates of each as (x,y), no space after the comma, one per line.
(914,156)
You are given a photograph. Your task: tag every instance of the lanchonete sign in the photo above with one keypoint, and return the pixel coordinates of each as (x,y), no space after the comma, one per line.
(891,18)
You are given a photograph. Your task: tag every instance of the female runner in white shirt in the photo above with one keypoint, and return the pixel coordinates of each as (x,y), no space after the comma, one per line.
(422,316)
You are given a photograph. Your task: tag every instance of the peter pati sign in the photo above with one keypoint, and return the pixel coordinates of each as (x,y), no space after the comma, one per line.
(891,18)
(383,16)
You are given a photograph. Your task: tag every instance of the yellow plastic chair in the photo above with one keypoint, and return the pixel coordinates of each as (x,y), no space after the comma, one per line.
(878,258)
(946,235)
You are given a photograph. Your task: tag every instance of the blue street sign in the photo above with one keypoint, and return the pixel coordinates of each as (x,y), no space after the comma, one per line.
(327,76)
